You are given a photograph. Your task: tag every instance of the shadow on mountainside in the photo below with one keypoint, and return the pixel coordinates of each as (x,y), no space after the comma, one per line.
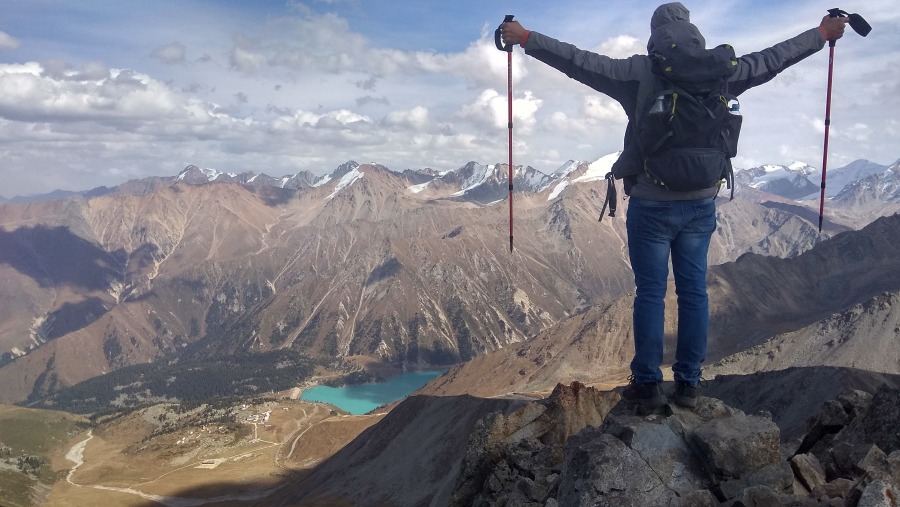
(273,196)
(421,453)
(54,257)
(757,297)
(794,394)
(73,316)
(829,227)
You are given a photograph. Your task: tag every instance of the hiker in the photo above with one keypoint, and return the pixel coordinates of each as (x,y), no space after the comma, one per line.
(663,221)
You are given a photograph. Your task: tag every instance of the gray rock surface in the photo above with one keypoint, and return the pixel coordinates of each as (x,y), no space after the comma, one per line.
(712,455)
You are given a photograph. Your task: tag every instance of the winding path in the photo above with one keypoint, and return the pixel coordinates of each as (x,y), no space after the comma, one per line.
(76,455)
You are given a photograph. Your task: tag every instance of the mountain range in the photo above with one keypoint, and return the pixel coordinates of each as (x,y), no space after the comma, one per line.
(410,269)
(205,286)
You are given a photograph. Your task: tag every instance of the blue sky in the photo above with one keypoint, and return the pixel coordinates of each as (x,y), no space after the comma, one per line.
(100,92)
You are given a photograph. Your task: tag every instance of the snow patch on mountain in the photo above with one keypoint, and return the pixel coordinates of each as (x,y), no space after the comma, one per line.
(210,174)
(769,173)
(558,189)
(478,174)
(346,180)
(839,178)
(325,179)
(566,169)
(418,188)
(598,170)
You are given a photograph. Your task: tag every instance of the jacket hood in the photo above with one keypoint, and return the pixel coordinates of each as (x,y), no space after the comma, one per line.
(669,12)
(671,24)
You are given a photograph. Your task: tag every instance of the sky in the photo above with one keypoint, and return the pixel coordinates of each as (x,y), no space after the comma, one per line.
(104,91)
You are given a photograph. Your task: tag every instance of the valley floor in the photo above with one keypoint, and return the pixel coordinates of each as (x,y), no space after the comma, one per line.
(121,464)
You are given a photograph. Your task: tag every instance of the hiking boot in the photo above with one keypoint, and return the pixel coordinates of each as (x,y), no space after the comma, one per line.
(686,394)
(647,395)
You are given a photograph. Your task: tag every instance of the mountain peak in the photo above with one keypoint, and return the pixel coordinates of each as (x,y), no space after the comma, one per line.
(347,179)
(196,175)
(346,167)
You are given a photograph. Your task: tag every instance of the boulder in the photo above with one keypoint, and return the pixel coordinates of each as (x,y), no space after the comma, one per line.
(737,445)
(515,457)
(879,494)
(838,488)
(894,464)
(606,472)
(699,498)
(833,417)
(661,443)
(808,470)
(880,424)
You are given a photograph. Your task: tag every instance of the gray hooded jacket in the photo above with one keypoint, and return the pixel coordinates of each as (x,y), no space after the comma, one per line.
(629,81)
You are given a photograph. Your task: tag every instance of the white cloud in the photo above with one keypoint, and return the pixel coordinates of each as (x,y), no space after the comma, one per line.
(27,93)
(601,107)
(170,53)
(857,133)
(299,89)
(490,110)
(621,46)
(244,58)
(7,41)
(415,118)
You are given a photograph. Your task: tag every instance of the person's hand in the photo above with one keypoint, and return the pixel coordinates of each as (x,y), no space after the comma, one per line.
(832,28)
(512,33)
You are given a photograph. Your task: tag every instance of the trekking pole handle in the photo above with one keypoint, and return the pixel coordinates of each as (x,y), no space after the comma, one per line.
(857,22)
(498,40)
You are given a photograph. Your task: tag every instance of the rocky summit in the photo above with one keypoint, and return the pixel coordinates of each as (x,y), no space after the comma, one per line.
(580,447)
(583,446)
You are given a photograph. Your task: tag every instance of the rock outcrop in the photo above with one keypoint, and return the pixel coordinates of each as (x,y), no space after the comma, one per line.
(580,448)
(512,459)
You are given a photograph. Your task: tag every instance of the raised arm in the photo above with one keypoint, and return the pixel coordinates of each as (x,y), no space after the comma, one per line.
(757,68)
(615,77)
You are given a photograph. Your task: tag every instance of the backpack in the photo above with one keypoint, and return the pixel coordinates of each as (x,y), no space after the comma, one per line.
(689,131)
(686,126)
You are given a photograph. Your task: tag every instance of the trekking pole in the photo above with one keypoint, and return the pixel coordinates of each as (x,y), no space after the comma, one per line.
(508,48)
(860,26)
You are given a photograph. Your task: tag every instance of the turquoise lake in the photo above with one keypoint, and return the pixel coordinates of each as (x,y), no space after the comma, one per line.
(363,398)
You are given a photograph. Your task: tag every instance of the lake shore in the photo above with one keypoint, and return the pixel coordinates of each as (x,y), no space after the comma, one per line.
(361,399)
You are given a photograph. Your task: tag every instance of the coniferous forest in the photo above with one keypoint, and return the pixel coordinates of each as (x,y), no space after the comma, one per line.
(189,381)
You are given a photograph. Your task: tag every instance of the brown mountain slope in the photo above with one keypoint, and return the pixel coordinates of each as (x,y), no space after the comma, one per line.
(362,265)
(751,301)
(865,336)
(411,457)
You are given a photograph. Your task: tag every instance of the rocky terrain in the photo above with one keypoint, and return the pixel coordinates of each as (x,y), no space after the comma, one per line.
(583,446)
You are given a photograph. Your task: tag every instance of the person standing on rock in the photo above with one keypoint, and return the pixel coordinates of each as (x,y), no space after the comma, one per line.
(663,222)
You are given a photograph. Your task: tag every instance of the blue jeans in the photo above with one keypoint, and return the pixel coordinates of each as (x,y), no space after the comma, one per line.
(657,229)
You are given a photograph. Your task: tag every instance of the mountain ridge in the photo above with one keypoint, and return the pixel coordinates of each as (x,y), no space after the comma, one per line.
(369,263)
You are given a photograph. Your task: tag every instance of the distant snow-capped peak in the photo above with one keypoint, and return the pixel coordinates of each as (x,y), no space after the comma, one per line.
(801,167)
(193,171)
(598,169)
(346,180)
(566,169)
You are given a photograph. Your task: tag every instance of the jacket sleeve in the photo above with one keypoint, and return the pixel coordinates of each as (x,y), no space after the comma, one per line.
(757,68)
(617,78)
